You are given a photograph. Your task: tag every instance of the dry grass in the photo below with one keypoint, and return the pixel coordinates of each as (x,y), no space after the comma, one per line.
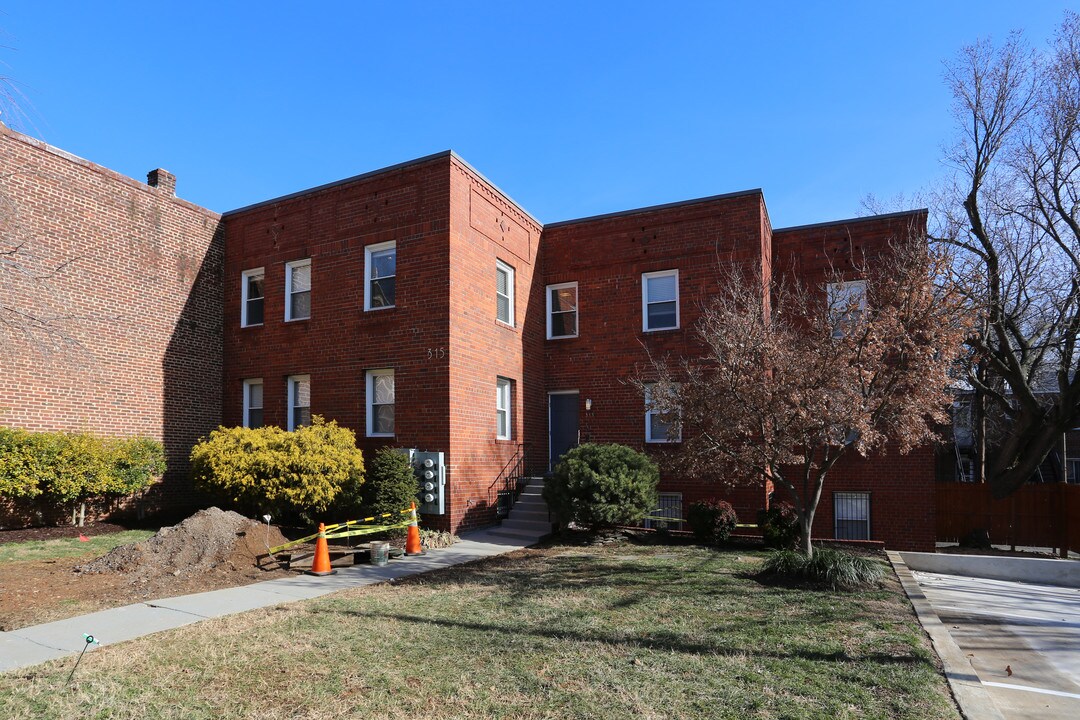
(613,632)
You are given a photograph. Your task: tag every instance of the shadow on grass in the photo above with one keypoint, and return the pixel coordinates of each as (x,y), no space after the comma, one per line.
(667,642)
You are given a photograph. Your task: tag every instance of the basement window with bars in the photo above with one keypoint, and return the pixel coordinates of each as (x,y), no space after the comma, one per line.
(670,507)
(851,513)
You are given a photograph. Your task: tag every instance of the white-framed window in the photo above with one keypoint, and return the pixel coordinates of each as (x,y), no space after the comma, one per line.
(298,290)
(380,403)
(660,300)
(851,515)
(502,408)
(299,399)
(380,275)
(657,430)
(562,310)
(670,506)
(847,303)
(504,293)
(251,297)
(253,403)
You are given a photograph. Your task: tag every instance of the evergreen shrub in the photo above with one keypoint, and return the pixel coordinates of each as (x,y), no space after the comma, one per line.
(602,485)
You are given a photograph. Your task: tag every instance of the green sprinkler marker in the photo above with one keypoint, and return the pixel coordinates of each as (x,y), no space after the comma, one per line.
(90,640)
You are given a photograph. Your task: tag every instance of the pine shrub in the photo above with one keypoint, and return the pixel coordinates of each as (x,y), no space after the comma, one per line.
(390,485)
(600,486)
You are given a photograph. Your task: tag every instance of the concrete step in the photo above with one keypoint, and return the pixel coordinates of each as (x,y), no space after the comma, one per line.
(533,526)
(528,513)
(531,537)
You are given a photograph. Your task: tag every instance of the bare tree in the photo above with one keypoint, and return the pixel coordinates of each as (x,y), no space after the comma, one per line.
(794,378)
(1011,213)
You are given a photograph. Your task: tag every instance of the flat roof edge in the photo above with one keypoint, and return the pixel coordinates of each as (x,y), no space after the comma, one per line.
(496,188)
(654,208)
(343,181)
(865,218)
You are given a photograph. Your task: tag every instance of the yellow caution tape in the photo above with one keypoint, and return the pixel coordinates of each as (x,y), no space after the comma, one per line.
(342,530)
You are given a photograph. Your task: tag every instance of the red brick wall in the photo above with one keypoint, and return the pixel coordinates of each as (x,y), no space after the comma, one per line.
(407,204)
(137,298)
(901,487)
(606,256)
(487,227)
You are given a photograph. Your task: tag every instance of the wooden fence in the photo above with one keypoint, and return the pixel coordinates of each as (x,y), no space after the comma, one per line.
(1044,515)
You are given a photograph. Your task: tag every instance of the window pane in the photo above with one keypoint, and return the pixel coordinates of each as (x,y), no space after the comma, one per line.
(658,429)
(255,395)
(661,315)
(302,416)
(502,281)
(501,415)
(301,393)
(503,311)
(384,418)
(255,311)
(255,418)
(301,305)
(254,287)
(564,324)
(301,278)
(384,389)
(661,288)
(382,292)
(563,300)
(383,263)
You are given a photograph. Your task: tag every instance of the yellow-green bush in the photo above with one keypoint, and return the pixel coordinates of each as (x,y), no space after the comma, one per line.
(293,475)
(74,467)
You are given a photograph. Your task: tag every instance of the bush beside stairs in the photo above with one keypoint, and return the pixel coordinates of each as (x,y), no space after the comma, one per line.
(528,519)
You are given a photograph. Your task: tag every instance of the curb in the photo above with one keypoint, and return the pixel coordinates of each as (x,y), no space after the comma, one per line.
(968,691)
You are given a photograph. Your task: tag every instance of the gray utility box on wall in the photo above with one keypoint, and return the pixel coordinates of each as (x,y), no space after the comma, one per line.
(430,469)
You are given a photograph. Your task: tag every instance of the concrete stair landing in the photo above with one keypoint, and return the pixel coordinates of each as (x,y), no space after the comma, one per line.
(528,519)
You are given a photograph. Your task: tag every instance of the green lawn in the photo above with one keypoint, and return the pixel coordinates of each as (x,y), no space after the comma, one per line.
(621,631)
(37,550)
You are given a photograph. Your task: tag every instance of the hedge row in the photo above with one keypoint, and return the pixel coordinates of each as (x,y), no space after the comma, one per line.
(72,467)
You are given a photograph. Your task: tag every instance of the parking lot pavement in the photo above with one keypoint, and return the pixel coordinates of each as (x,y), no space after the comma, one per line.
(1022,640)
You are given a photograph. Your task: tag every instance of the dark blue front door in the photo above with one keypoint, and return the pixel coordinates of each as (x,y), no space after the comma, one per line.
(562,424)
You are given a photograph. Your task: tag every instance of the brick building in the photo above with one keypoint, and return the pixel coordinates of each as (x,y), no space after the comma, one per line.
(422,307)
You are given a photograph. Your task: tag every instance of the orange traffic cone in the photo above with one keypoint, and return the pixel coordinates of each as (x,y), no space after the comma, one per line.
(412,542)
(320,565)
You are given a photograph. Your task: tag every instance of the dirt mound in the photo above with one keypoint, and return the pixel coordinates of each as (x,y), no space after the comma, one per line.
(206,540)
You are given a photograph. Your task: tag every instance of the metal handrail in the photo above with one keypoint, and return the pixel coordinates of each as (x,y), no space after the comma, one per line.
(508,482)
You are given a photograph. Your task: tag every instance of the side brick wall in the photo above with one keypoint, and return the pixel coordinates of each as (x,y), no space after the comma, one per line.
(486,227)
(130,278)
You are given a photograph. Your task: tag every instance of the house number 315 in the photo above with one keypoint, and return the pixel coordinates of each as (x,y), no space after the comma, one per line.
(436,353)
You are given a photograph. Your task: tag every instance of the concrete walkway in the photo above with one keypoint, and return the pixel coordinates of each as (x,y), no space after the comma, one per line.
(1009,649)
(40,643)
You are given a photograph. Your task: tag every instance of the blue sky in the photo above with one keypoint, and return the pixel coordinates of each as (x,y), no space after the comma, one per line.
(572,108)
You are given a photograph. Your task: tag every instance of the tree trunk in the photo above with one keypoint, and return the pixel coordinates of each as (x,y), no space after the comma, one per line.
(806,521)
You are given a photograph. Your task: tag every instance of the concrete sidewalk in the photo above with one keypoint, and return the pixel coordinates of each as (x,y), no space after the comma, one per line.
(40,643)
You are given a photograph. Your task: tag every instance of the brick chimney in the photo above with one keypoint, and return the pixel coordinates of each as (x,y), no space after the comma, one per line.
(162,180)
